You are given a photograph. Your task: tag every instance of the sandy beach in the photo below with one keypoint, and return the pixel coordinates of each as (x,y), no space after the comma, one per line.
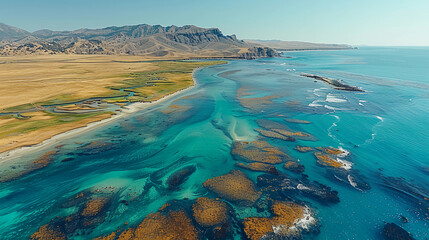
(125,111)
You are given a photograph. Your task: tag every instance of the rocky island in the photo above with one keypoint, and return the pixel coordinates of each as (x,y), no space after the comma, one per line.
(336,83)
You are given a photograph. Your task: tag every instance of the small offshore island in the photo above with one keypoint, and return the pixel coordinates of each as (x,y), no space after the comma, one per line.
(152,132)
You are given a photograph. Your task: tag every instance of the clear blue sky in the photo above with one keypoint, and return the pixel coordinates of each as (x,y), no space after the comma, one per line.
(370,22)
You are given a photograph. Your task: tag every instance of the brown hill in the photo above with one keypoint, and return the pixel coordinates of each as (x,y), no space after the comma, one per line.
(171,41)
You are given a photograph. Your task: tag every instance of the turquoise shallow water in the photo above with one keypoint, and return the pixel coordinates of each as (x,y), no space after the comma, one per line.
(385,130)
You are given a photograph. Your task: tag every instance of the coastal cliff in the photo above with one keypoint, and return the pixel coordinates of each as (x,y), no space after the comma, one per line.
(258,52)
(147,40)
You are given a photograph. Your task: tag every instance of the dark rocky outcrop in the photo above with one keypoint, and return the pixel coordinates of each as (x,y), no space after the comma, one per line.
(284,187)
(391,231)
(336,83)
(180,176)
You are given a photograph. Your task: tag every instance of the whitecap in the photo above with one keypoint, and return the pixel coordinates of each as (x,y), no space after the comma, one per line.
(345,152)
(315,103)
(315,91)
(374,130)
(346,164)
(352,182)
(350,178)
(334,98)
(302,187)
(332,108)
(306,222)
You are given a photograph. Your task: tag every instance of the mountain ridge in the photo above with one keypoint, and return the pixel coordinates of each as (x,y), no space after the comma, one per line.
(142,39)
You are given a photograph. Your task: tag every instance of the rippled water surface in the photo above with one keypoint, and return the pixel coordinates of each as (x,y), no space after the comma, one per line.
(164,154)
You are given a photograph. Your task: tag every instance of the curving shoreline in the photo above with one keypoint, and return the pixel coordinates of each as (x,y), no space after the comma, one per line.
(125,111)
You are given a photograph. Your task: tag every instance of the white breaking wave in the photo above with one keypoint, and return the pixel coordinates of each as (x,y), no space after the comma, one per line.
(350,178)
(345,152)
(315,103)
(332,108)
(346,164)
(334,98)
(374,132)
(307,220)
(315,91)
(302,187)
(352,182)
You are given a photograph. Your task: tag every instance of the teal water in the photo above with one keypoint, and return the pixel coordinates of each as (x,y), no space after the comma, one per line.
(384,129)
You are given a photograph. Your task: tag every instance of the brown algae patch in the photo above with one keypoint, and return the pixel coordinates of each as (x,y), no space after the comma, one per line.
(290,133)
(208,212)
(233,186)
(281,131)
(303,149)
(257,104)
(173,225)
(258,167)
(258,151)
(94,207)
(327,160)
(330,150)
(44,160)
(46,232)
(294,167)
(95,147)
(273,134)
(285,214)
(291,120)
(39,163)
(242,91)
(175,108)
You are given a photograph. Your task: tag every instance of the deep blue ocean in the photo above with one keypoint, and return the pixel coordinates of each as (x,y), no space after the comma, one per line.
(383,131)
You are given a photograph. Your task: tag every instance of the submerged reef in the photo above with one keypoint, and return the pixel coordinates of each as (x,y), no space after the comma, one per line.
(36,164)
(340,170)
(209,212)
(273,134)
(160,225)
(285,187)
(291,120)
(257,104)
(95,147)
(180,176)
(91,212)
(234,186)
(203,218)
(258,167)
(49,232)
(411,194)
(303,149)
(258,151)
(351,178)
(294,167)
(326,160)
(331,150)
(288,221)
(391,231)
(278,130)
(176,108)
